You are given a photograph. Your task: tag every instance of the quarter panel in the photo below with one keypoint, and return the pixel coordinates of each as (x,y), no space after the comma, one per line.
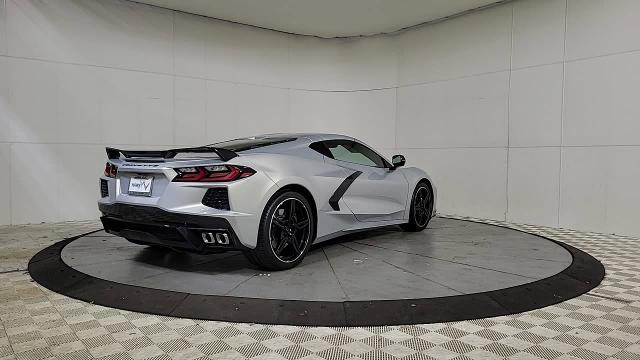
(320,178)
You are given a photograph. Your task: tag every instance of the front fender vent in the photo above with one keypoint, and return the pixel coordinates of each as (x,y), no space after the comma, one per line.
(217,198)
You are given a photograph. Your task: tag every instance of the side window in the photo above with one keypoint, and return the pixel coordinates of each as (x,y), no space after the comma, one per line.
(321,148)
(349,151)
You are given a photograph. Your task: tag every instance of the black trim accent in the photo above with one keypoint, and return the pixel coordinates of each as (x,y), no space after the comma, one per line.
(337,195)
(584,274)
(154,215)
(223,154)
(150,225)
(217,198)
(104,188)
(321,147)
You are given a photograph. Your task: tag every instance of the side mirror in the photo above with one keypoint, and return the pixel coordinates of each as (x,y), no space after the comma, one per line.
(397,161)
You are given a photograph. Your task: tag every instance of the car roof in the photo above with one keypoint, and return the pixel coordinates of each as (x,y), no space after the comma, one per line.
(281,142)
(311,136)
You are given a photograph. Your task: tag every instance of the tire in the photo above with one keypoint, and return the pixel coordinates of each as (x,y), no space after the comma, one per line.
(421,209)
(286,231)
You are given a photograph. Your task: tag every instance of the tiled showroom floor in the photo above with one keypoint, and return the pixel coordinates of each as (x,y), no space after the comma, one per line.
(39,324)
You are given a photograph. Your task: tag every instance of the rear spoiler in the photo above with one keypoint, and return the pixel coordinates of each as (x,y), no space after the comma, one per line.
(223,154)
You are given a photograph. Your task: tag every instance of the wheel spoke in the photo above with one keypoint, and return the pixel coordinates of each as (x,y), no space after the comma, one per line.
(278,222)
(301,224)
(294,242)
(281,245)
(292,210)
(427,204)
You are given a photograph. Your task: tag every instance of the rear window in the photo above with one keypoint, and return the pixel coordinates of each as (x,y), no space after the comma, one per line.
(251,143)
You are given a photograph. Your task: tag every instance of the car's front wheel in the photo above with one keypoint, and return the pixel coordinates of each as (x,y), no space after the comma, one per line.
(421,208)
(286,231)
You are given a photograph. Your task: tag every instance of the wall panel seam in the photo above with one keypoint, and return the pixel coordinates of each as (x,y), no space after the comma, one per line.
(508,130)
(562,110)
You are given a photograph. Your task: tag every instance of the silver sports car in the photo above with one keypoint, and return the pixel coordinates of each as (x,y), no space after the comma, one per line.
(269,196)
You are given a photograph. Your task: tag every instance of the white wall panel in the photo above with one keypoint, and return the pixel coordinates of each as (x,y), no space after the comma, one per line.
(78,103)
(35,180)
(78,185)
(218,50)
(33,105)
(6,118)
(469,181)
(5,184)
(222,103)
(601,105)
(261,110)
(535,106)
(596,27)
(190,118)
(3,28)
(205,48)
(155,99)
(261,57)
(457,113)
(472,44)
(598,189)
(119,107)
(136,108)
(109,33)
(538,32)
(342,64)
(533,190)
(367,115)
(191,37)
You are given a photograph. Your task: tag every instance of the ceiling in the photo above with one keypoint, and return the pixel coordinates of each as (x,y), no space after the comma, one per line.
(325,18)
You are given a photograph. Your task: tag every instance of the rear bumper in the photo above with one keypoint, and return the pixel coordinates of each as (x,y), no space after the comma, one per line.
(152,225)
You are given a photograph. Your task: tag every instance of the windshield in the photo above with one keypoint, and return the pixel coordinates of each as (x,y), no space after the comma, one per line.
(251,143)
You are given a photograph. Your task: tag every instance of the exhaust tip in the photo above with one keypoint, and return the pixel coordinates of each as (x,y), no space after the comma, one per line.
(222,238)
(217,238)
(208,238)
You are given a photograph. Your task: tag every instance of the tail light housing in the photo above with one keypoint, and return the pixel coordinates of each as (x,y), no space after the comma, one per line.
(110,170)
(213,173)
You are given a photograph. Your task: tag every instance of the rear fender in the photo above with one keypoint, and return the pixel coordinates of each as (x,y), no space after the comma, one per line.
(319,178)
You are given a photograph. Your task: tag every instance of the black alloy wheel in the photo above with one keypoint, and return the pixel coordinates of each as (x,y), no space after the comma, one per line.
(286,231)
(421,208)
(289,229)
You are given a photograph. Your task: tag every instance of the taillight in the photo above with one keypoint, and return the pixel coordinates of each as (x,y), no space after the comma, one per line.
(213,173)
(110,170)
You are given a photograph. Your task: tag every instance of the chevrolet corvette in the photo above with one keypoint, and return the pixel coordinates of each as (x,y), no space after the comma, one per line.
(269,196)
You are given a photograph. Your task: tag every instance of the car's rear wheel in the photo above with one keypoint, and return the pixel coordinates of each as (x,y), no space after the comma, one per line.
(286,231)
(421,208)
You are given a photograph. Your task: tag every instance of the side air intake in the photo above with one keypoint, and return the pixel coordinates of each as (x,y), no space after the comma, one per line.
(104,188)
(217,198)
